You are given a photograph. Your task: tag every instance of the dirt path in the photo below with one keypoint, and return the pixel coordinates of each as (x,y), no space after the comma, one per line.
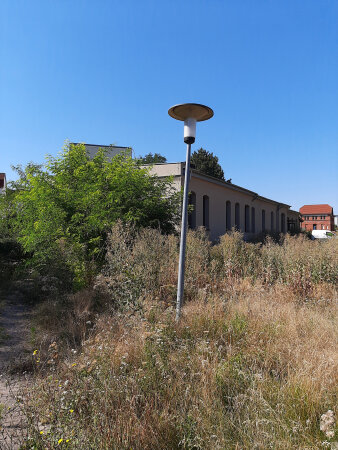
(14,349)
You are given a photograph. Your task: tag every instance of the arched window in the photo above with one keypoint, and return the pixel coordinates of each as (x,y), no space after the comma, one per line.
(263,219)
(272,221)
(277,220)
(192,214)
(253,220)
(206,211)
(282,223)
(237,217)
(247,219)
(228,215)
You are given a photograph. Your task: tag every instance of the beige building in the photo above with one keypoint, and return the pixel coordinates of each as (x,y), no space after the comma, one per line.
(219,206)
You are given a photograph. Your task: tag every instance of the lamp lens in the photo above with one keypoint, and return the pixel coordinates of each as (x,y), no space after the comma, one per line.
(189,129)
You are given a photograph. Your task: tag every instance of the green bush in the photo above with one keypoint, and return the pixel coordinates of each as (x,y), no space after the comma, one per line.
(64,210)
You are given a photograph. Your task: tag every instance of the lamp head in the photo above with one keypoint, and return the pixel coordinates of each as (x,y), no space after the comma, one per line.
(190,113)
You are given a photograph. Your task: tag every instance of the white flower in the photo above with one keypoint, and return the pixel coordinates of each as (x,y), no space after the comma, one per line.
(327,423)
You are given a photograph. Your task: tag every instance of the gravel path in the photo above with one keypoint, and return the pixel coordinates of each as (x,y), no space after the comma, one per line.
(14,348)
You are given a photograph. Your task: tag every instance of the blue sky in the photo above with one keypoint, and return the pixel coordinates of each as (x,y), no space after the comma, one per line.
(106,72)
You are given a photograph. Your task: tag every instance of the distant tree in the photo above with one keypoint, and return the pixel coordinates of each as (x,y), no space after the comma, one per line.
(150,158)
(206,162)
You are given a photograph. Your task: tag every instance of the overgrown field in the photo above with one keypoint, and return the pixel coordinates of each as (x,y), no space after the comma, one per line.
(251,365)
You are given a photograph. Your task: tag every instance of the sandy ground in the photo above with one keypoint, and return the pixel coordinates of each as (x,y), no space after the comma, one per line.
(14,348)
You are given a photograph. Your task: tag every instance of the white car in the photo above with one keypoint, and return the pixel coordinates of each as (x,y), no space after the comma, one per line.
(322,234)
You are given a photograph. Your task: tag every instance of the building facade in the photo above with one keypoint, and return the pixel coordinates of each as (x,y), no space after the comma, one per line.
(111,150)
(317,217)
(220,206)
(2,183)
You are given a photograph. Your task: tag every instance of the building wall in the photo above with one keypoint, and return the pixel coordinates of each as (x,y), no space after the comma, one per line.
(111,150)
(175,170)
(219,195)
(167,169)
(293,221)
(321,221)
(2,183)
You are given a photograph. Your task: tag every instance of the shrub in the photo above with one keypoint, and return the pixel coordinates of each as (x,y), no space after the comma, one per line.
(68,206)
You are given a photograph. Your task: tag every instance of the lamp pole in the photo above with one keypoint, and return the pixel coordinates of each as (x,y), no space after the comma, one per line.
(181,263)
(190,113)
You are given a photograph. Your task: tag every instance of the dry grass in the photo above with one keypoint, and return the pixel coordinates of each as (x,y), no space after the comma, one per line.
(251,365)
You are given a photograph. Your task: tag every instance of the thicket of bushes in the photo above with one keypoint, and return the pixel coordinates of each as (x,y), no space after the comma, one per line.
(252,364)
(62,211)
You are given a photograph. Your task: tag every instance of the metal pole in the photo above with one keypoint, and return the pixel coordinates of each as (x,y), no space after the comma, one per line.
(181,265)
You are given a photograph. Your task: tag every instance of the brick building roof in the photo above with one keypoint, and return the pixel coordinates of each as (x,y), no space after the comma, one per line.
(316,209)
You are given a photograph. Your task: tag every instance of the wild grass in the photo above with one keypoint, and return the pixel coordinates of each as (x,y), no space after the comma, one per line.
(251,365)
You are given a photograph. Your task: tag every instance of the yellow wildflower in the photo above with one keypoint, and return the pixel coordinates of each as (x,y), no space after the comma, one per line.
(60,440)
(35,352)
(41,432)
(71,410)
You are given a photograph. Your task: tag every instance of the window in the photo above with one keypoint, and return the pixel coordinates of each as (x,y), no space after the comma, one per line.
(253,220)
(283,223)
(206,211)
(237,216)
(192,214)
(263,219)
(228,215)
(323,228)
(247,219)
(272,221)
(315,226)
(291,225)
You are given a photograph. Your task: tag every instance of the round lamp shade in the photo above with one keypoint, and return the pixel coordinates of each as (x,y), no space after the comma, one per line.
(191,111)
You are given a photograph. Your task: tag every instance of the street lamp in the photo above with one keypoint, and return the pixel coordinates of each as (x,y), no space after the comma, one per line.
(190,113)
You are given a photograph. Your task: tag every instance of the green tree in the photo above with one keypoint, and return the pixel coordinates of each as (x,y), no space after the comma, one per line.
(206,162)
(150,158)
(70,204)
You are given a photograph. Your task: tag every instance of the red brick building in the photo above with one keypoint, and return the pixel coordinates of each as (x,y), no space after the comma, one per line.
(317,217)
(2,182)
